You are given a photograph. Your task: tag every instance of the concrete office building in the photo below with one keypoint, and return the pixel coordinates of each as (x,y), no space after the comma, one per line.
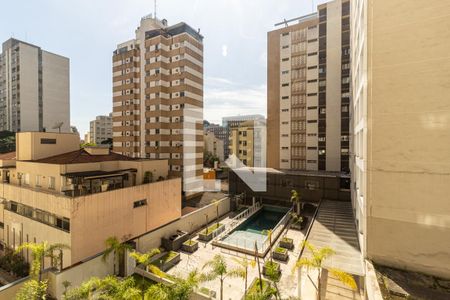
(309,91)
(234,121)
(401,134)
(158,98)
(34,89)
(56,192)
(100,129)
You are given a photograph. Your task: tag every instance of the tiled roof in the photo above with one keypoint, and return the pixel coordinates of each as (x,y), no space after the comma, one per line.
(82,156)
(8,156)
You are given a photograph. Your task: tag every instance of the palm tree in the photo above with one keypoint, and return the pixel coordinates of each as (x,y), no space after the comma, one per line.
(316,261)
(295,199)
(109,287)
(113,245)
(274,276)
(269,232)
(35,288)
(66,285)
(56,259)
(180,289)
(216,205)
(217,269)
(242,270)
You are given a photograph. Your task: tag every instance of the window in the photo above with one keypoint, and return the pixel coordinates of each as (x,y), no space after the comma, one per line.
(26,179)
(285,110)
(322,152)
(285,34)
(285,59)
(312,53)
(285,72)
(285,47)
(63,223)
(38,180)
(139,203)
(311,184)
(48,141)
(285,84)
(51,182)
(344,108)
(285,97)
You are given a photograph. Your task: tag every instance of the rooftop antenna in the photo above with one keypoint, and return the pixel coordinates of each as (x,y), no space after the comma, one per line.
(154,9)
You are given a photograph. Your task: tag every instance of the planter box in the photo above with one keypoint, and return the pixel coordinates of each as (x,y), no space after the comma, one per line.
(277,268)
(174,241)
(165,264)
(191,248)
(208,237)
(286,243)
(280,254)
(301,225)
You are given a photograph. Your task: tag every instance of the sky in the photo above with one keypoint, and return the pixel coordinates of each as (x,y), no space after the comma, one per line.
(88,31)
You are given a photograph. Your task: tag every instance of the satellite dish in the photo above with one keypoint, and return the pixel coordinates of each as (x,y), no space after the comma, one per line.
(58,126)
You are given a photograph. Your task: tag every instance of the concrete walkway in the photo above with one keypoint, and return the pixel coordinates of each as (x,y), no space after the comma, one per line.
(334,227)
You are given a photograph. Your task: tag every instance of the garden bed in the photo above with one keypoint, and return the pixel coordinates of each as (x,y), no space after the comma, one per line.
(167,261)
(271,264)
(211,232)
(255,289)
(190,246)
(280,254)
(287,243)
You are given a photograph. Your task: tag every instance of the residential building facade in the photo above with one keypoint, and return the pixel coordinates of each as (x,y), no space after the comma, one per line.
(247,142)
(54,191)
(158,98)
(213,145)
(100,129)
(309,91)
(401,135)
(34,89)
(234,121)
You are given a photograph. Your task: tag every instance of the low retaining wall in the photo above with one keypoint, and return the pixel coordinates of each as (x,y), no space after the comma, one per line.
(189,223)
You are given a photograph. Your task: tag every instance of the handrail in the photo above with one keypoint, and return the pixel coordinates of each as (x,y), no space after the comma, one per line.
(236,220)
(277,229)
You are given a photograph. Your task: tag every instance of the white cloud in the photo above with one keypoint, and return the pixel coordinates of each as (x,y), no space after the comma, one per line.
(226,98)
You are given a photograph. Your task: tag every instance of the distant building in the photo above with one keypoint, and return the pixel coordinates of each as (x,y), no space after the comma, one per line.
(233,121)
(34,89)
(213,145)
(54,191)
(247,142)
(100,129)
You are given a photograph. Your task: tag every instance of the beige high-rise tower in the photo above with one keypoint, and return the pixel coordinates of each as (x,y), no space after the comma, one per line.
(308,94)
(401,132)
(158,98)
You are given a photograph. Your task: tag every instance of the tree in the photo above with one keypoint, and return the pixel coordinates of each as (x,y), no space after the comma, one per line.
(109,287)
(242,270)
(144,259)
(180,289)
(217,269)
(35,288)
(209,159)
(56,258)
(7,141)
(113,245)
(274,276)
(216,205)
(148,177)
(318,256)
(295,199)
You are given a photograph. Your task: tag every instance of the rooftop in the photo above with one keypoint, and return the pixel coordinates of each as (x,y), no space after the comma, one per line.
(8,156)
(82,156)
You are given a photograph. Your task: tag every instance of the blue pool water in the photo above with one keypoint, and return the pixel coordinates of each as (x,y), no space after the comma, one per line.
(252,229)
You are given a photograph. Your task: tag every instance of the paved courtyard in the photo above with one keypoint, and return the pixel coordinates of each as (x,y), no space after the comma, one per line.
(234,287)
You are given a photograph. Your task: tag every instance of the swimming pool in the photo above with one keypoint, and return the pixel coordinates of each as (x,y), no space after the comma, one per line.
(253,229)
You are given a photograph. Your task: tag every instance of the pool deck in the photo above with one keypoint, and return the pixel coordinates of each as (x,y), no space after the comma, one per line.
(234,287)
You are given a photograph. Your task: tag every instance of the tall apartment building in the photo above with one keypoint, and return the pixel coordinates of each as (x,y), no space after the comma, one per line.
(309,91)
(401,136)
(34,89)
(213,145)
(158,98)
(234,121)
(100,129)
